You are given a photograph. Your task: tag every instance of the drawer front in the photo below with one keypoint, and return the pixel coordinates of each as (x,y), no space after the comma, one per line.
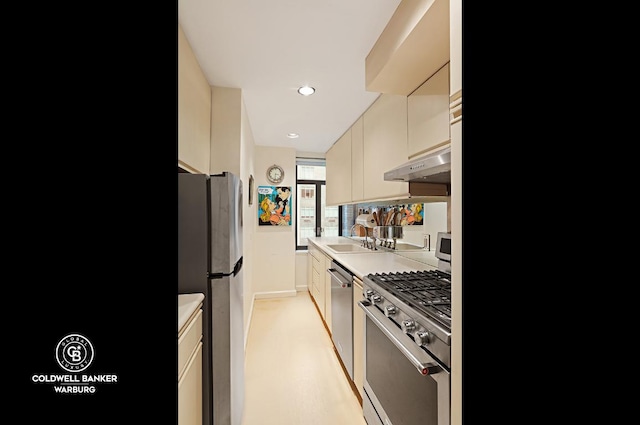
(190,391)
(188,342)
(317,266)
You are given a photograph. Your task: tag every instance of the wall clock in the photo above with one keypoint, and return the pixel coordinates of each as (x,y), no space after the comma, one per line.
(275,174)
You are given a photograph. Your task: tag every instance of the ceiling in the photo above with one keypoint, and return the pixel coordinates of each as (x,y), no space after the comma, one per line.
(269,48)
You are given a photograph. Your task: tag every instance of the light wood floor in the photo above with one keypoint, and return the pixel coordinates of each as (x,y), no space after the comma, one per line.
(292,375)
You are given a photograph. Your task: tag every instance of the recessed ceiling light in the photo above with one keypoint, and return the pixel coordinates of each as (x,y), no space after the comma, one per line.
(293,135)
(306,90)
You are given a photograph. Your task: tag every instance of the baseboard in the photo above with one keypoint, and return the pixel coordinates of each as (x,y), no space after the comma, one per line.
(249,319)
(273,294)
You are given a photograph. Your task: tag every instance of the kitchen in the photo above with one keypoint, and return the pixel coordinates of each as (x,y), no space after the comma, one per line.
(215,135)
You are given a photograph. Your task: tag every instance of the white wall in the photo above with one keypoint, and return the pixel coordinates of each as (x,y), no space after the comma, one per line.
(247,147)
(301,271)
(435,220)
(274,272)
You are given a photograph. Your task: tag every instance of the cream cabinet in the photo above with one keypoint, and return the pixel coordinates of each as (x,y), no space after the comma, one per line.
(357,166)
(428,114)
(309,270)
(190,371)
(317,278)
(321,282)
(385,146)
(327,293)
(358,337)
(194,111)
(338,171)
(455,46)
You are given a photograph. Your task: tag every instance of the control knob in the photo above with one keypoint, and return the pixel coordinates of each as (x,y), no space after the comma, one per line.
(408,325)
(390,310)
(422,337)
(376,299)
(367,294)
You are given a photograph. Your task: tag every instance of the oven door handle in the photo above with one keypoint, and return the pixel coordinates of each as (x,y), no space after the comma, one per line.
(430,368)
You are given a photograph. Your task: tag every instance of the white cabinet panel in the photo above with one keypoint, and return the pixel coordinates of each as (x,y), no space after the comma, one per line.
(190,371)
(194,111)
(357,165)
(338,167)
(428,114)
(385,146)
(327,292)
(189,340)
(190,391)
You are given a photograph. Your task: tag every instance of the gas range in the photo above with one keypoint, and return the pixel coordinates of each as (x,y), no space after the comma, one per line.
(419,303)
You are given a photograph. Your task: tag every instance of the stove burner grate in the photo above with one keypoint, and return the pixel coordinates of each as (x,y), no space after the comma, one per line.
(427,291)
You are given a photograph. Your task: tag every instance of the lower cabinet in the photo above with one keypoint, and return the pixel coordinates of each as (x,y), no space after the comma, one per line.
(327,293)
(190,371)
(358,337)
(320,284)
(190,392)
(317,278)
(309,272)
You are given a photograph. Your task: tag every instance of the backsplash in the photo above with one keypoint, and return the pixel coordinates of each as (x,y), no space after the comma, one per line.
(418,219)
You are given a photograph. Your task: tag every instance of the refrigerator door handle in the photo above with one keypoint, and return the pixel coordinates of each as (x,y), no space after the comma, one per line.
(236,269)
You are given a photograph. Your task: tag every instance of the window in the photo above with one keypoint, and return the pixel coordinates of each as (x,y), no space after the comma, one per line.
(313,218)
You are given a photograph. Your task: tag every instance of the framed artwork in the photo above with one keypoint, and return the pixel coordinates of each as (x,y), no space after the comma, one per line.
(412,214)
(251,189)
(274,205)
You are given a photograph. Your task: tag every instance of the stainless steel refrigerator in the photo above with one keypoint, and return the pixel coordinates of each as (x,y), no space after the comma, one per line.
(210,262)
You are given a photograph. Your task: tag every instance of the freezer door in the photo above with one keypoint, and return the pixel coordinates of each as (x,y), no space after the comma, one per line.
(193,232)
(226,221)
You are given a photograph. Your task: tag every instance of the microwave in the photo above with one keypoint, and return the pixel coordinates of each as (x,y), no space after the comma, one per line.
(443,246)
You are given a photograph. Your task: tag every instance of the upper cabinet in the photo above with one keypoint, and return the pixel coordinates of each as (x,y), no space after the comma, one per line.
(338,167)
(357,167)
(194,111)
(428,114)
(413,45)
(385,146)
(455,90)
(455,25)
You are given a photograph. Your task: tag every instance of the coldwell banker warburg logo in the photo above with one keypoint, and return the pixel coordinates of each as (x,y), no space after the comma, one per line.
(74,353)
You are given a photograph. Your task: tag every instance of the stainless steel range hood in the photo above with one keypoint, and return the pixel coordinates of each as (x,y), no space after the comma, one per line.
(434,167)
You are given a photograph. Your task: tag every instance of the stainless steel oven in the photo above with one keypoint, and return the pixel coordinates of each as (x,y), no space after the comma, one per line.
(407,348)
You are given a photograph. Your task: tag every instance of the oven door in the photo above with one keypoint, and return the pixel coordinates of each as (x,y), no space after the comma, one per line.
(403,384)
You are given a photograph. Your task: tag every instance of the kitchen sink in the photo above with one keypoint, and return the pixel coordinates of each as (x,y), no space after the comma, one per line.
(407,247)
(342,248)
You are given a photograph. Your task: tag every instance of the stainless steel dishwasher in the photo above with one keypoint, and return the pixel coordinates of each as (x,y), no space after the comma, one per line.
(342,314)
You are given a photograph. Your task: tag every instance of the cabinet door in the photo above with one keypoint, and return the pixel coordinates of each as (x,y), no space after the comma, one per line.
(318,279)
(428,114)
(190,391)
(338,171)
(385,146)
(357,166)
(327,293)
(455,46)
(194,111)
(358,338)
(309,272)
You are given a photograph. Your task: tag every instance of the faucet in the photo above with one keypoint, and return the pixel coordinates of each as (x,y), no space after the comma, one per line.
(364,242)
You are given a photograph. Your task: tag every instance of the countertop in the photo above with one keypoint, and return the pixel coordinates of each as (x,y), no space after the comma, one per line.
(381,261)
(187,304)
